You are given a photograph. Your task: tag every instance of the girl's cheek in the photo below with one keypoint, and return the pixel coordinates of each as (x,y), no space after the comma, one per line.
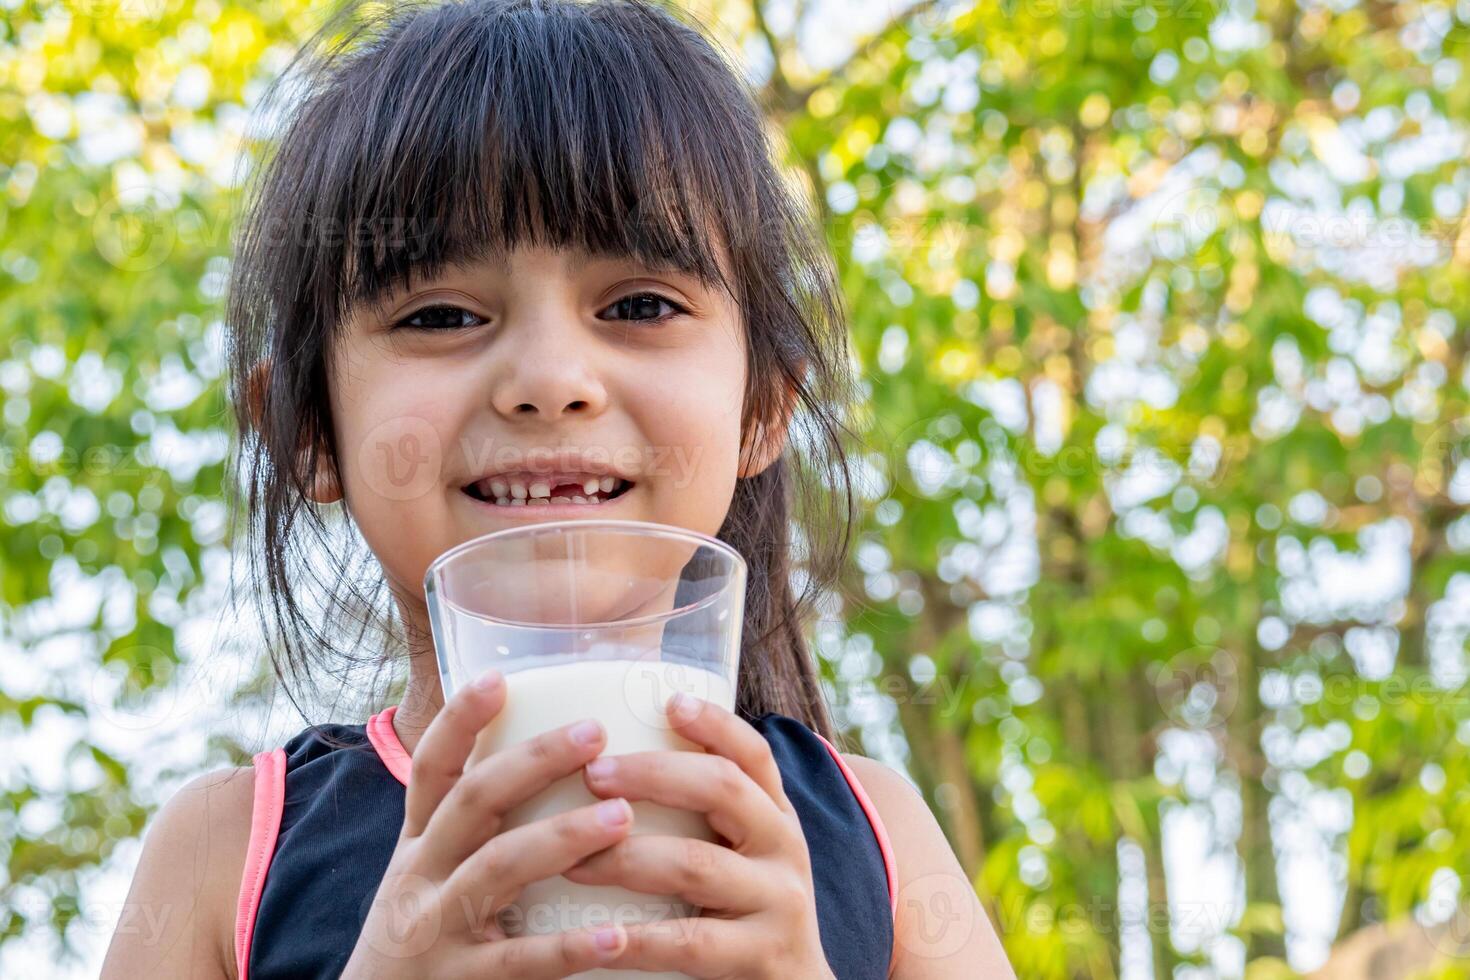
(397,468)
(395,442)
(399,459)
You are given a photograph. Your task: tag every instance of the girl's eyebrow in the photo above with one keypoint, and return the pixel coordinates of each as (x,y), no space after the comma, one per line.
(577,262)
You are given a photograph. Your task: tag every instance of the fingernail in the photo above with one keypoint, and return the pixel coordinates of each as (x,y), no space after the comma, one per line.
(601,768)
(614,813)
(489,680)
(681,706)
(587,732)
(608,938)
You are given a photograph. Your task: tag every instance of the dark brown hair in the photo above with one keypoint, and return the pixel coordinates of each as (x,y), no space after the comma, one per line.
(438,133)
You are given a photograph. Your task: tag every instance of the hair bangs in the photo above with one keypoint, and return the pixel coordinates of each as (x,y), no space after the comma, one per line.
(534,129)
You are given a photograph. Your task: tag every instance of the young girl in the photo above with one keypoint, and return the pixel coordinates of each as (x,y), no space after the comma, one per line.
(498,241)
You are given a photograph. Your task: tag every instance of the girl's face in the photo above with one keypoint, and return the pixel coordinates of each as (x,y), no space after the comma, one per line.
(462,401)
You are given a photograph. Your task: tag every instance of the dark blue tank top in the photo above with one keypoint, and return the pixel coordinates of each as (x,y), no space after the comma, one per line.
(336,813)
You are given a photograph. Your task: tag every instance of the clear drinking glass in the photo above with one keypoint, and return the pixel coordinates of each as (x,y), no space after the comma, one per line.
(596,619)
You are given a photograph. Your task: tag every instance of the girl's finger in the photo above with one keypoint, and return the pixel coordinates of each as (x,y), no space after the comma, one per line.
(703,874)
(503,865)
(723,733)
(471,812)
(549,957)
(438,759)
(701,947)
(735,806)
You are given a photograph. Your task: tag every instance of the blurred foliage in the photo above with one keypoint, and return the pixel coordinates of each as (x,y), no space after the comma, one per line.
(1162,312)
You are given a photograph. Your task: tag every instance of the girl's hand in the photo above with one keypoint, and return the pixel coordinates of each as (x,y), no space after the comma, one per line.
(759,918)
(452,869)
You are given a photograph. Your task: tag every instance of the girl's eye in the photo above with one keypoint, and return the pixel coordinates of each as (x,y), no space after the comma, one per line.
(639,307)
(441,317)
(645,303)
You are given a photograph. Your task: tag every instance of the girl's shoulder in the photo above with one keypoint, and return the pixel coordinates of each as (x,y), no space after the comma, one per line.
(178,920)
(929,878)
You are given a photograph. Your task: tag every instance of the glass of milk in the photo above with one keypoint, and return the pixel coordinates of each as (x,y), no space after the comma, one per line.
(596,619)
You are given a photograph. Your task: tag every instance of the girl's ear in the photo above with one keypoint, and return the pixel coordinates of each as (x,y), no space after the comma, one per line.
(766,443)
(322,486)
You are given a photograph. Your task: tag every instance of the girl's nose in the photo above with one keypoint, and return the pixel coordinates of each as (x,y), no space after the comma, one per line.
(547,379)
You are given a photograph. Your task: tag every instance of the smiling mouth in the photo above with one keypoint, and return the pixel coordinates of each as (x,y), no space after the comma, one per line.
(520,491)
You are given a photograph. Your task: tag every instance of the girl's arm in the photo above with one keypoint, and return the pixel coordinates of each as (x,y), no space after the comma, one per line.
(941,931)
(178,920)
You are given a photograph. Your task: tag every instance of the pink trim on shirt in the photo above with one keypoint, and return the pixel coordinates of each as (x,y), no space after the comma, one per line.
(385,740)
(265,822)
(890,866)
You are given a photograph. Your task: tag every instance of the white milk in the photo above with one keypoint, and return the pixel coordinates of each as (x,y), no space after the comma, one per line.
(627,697)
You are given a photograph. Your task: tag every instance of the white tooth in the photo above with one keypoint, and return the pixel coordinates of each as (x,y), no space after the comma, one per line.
(518,489)
(499,487)
(561,500)
(590,487)
(538,500)
(540,488)
(607,483)
(577,498)
(518,501)
(502,501)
